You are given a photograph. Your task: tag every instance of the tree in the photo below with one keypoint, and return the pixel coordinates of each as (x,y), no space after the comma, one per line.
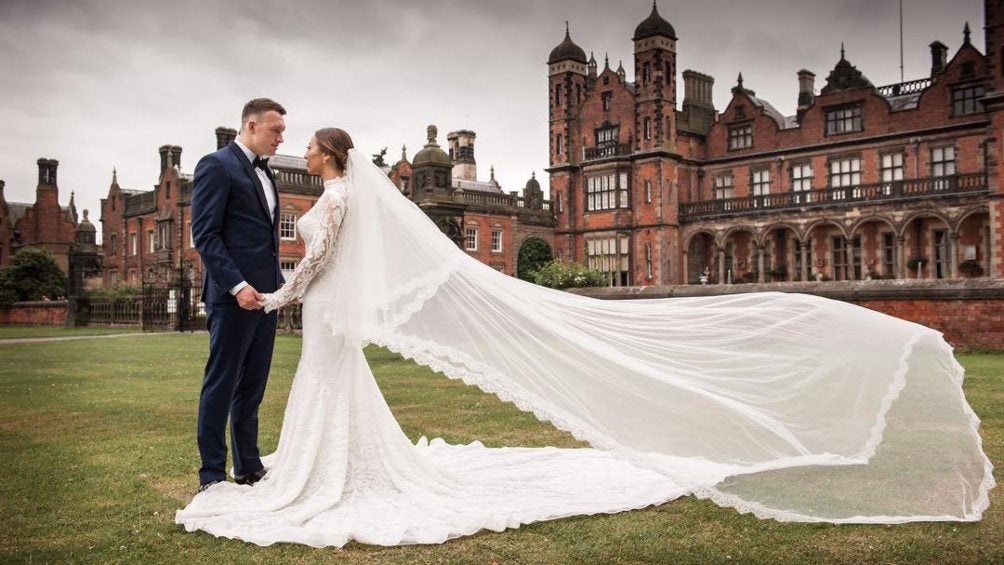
(32,275)
(533,254)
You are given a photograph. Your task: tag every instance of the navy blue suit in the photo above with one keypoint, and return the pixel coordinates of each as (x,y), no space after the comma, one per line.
(237,237)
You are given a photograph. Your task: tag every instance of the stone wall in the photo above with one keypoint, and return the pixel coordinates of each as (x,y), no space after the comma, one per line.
(42,313)
(970,312)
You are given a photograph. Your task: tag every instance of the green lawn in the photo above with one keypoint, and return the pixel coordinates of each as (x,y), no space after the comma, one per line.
(98,451)
(17,332)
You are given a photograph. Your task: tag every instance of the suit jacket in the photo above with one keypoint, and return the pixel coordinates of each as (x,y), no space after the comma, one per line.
(236,234)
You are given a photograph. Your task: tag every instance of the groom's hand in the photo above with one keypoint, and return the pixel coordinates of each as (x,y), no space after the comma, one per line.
(249,299)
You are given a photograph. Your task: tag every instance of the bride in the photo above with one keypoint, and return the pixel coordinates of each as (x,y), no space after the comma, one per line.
(791,407)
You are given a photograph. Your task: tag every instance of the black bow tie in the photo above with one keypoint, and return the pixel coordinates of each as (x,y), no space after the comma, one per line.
(261,163)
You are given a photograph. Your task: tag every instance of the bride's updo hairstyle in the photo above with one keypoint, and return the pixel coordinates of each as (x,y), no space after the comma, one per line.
(335,142)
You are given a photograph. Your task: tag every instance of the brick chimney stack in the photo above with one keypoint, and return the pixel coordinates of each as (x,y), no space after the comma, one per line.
(939,57)
(176,155)
(697,99)
(806,91)
(165,152)
(224,136)
(47,173)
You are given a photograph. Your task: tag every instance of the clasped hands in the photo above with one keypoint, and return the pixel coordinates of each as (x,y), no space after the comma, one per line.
(250,299)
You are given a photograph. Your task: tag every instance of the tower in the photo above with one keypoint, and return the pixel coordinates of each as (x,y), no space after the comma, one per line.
(462,152)
(568,73)
(655,83)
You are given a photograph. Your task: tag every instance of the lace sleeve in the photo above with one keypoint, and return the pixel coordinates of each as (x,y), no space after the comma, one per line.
(318,253)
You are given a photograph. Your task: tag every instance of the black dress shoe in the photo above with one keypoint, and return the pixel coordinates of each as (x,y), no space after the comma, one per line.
(251,478)
(204,486)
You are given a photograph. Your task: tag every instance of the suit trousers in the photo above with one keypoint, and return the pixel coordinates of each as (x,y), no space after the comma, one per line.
(240,355)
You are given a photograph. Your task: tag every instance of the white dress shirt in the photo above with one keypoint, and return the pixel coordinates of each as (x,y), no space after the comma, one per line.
(269,198)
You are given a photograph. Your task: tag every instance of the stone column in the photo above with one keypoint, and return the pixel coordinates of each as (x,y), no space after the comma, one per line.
(759,262)
(849,259)
(803,251)
(953,254)
(721,266)
(900,266)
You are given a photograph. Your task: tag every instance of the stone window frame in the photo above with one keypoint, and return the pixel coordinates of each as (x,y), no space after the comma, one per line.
(949,168)
(610,253)
(606,100)
(740,136)
(607,138)
(471,236)
(851,159)
(648,260)
(805,180)
(608,190)
(496,238)
(287,225)
(760,180)
(287,265)
(888,167)
(721,190)
(966,99)
(845,118)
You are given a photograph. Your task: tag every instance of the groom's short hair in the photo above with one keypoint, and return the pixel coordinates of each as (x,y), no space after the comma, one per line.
(259,106)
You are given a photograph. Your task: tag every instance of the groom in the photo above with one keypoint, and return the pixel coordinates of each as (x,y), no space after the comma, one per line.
(235,229)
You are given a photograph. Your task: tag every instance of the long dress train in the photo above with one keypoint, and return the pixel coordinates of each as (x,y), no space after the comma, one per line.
(344,470)
(789,406)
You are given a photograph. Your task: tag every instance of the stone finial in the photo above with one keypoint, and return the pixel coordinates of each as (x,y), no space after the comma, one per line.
(841,50)
(431,133)
(404,152)
(965,34)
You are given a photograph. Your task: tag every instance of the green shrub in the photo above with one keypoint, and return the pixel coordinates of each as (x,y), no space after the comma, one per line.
(558,274)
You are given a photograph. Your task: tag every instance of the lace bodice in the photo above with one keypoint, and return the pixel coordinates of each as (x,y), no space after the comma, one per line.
(319,229)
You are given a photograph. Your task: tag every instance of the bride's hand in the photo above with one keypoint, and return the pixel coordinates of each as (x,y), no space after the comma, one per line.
(268,302)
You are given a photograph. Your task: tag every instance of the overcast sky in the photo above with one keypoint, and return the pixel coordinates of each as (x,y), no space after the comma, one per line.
(101,84)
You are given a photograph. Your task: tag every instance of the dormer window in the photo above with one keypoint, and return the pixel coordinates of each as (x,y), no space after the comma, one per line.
(967,100)
(740,137)
(845,119)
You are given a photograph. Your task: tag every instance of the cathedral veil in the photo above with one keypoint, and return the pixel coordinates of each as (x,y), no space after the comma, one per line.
(789,406)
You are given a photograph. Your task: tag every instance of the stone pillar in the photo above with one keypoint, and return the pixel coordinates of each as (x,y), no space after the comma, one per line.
(721,266)
(849,259)
(900,266)
(803,251)
(759,262)
(953,254)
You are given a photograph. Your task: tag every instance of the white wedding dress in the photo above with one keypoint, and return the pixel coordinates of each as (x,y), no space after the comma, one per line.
(788,406)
